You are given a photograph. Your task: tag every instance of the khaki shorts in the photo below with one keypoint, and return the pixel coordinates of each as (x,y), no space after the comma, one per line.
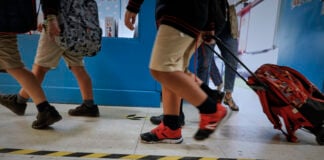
(9,54)
(172,50)
(49,54)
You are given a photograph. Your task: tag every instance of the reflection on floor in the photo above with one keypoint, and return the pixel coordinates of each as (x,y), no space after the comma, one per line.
(246,134)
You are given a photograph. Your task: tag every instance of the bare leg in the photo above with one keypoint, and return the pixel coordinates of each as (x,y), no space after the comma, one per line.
(88,107)
(182,85)
(27,80)
(170,102)
(39,72)
(84,82)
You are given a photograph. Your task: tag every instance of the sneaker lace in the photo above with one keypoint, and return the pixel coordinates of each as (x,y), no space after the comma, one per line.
(10,97)
(81,107)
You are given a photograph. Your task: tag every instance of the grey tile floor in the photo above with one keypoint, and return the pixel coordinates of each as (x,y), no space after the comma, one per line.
(246,134)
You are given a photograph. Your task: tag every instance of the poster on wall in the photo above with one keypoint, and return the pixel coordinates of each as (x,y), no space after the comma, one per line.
(109,13)
(296,3)
(111,18)
(110,27)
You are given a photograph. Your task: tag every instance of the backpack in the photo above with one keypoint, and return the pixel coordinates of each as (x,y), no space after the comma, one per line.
(18,16)
(286,94)
(80,30)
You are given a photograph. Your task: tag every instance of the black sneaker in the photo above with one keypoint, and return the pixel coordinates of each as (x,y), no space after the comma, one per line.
(158,119)
(83,110)
(10,101)
(46,118)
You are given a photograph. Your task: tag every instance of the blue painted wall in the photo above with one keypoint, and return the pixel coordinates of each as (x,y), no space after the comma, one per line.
(301,39)
(120,73)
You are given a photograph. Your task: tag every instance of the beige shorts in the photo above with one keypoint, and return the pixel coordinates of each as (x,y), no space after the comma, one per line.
(172,50)
(9,54)
(49,54)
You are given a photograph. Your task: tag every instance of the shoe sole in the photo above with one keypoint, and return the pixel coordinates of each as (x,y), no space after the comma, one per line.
(48,123)
(166,141)
(233,109)
(226,117)
(18,113)
(84,115)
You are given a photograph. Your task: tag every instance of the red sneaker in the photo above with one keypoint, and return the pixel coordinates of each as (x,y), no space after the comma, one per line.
(162,134)
(209,122)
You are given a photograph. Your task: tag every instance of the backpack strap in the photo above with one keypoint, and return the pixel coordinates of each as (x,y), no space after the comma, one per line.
(293,120)
(273,118)
(262,94)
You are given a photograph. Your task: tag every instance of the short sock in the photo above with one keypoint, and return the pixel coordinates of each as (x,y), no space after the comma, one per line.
(21,99)
(41,107)
(206,89)
(171,121)
(88,103)
(207,107)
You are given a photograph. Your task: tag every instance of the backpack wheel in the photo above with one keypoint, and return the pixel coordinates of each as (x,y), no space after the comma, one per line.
(320,137)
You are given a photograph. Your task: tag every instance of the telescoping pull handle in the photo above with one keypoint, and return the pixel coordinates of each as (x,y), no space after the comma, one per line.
(219,42)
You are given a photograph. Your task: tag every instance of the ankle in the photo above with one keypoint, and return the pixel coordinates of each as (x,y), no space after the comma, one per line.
(43,106)
(88,103)
(207,107)
(171,121)
(228,95)
(206,89)
(21,99)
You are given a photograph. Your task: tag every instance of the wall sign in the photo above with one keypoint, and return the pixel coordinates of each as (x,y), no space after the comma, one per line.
(296,3)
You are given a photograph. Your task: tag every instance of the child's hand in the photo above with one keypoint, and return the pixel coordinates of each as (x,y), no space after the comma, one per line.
(130,19)
(40,27)
(208,37)
(53,28)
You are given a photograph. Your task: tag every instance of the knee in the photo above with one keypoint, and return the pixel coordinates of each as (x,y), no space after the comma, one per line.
(154,73)
(157,75)
(39,70)
(77,70)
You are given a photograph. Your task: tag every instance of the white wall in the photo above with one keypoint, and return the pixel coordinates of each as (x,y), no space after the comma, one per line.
(257,33)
